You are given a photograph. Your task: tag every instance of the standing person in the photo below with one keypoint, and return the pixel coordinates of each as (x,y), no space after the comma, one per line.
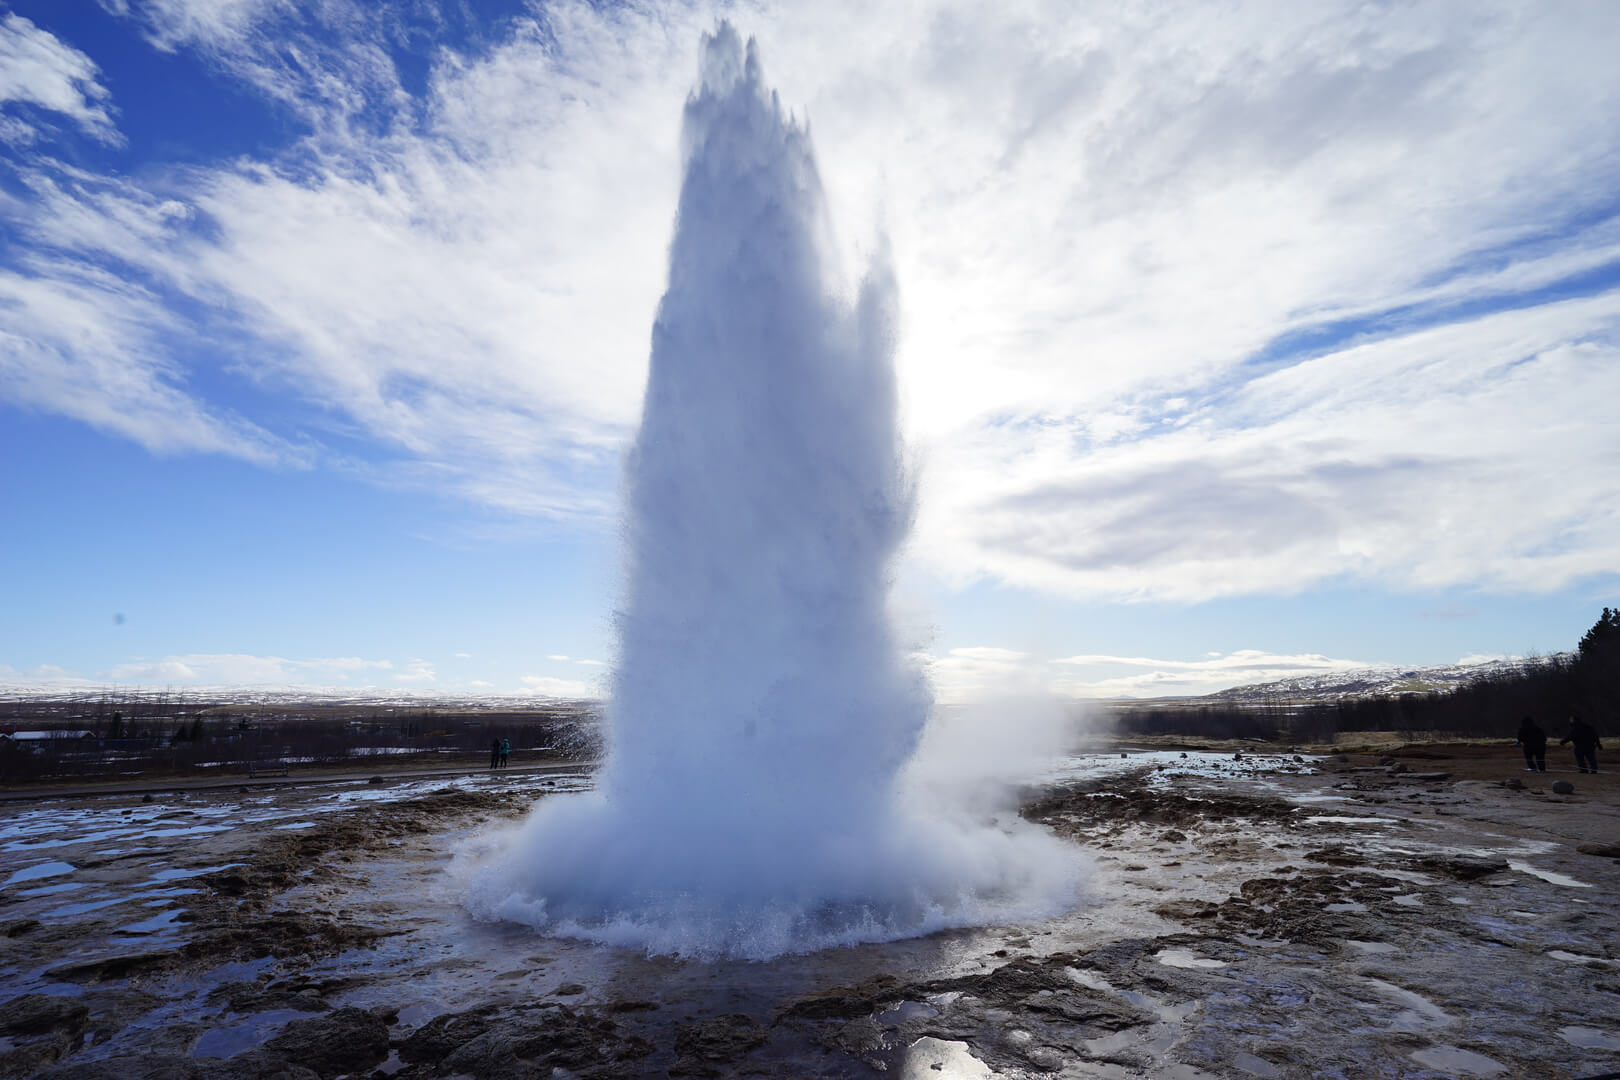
(494,752)
(506,748)
(1534,742)
(1585,738)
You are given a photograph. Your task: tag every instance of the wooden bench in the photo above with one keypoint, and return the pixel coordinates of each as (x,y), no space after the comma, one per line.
(267,768)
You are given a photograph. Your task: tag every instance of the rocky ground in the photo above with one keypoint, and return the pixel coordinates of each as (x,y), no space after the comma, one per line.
(1386,915)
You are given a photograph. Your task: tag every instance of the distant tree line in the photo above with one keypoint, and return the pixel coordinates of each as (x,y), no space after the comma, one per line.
(1585,683)
(158,736)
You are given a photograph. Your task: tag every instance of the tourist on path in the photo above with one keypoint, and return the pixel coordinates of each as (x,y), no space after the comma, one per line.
(1534,742)
(506,748)
(1585,738)
(494,752)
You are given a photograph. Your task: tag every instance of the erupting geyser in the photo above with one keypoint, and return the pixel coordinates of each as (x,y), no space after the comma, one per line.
(762,711)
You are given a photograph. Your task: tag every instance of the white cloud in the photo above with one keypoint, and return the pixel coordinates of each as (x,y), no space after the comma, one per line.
(417,671)
(568,688)
(39,69)
(989,673)
(1101,219)
(463,656)
(592,663)
(241,669)
(557,656)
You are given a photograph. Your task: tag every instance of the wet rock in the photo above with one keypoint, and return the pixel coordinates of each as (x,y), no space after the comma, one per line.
(704,1047)
(1397,768)
(1602,851)
(1336,855)
(1464,867)
(1187,909)
(542,1042)
(131,1067)
(36,1014)
(840,1002)
(17,927)
(569,990)
(116,967)
(1340,759)
(1514,783)
(26,1058)
(433,1041)
(1563,787)
(241,997)
(1173,836)
(348,1040)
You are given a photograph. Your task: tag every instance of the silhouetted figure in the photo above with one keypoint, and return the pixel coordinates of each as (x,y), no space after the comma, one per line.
(506,748)
(494,752)
(1585,738)
(1534,742)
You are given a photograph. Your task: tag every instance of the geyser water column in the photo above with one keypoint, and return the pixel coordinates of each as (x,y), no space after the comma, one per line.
(761,708)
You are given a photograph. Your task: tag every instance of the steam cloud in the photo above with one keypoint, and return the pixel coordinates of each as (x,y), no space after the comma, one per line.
(755,798)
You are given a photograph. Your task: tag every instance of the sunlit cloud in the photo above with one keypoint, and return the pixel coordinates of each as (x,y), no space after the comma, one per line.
(1198,304)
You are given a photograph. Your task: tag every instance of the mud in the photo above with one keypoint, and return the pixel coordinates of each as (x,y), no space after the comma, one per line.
(1272,917)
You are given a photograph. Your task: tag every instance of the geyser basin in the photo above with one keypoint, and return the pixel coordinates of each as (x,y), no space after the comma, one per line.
(761,712)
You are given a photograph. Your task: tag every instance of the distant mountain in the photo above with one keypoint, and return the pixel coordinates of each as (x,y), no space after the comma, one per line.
(1379,681)
(368,697)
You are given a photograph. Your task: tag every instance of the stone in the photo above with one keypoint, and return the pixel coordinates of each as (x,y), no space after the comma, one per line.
(1602,851)
(1465,867)
(1513,782)
(1563,787)
(36,1014)
(348,1040)
(704,1047)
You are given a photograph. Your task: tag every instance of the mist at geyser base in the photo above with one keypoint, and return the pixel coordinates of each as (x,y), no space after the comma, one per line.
(756,797)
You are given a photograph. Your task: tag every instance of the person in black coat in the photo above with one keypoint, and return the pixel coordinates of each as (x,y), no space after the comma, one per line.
(1585,738)
(1534,742)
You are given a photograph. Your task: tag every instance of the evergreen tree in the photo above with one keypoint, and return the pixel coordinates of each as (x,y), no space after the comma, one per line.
(1597,669)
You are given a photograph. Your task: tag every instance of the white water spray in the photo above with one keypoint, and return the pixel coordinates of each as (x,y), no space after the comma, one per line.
(762,712)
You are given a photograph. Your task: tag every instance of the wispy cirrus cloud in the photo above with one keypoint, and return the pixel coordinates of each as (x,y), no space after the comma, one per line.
(1197,303)
(45,75)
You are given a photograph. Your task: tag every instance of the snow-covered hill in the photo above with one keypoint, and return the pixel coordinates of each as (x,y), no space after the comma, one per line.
(1380,681)
(369,697)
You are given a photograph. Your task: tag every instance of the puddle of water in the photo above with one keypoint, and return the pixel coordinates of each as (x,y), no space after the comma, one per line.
(296,825)
(1255,1066)
(1590,1038)
(156,924)
(1186,958)
(938,1059)
(178,873)
(229,1041)
(1454,1060)
(1370,946)
(1350,906)
(1345,819)
(1548,876)
(51,890)
(907,1010)
(1577,958)
(1418,1013)
(1408,900)
(37,871)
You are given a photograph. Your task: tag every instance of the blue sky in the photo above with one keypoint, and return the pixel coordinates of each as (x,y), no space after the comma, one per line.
(1234,344)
